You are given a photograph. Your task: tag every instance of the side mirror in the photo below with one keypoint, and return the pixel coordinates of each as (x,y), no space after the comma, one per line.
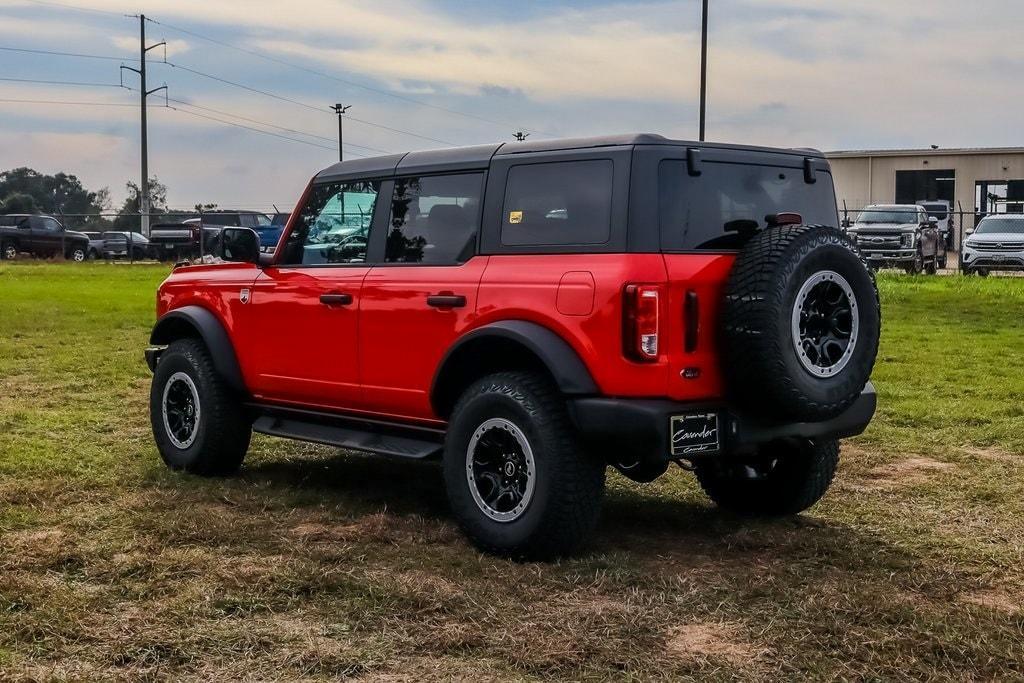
(240,245)
(934,222)
(970,231)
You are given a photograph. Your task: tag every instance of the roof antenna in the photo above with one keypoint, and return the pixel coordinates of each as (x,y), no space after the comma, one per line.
(520,136)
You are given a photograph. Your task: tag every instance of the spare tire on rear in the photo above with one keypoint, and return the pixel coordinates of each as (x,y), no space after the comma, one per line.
(801,324)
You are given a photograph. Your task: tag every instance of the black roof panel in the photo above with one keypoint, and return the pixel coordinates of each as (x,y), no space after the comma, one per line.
(479,156)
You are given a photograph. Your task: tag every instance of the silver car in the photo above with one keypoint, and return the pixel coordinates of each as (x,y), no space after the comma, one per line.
(997,243)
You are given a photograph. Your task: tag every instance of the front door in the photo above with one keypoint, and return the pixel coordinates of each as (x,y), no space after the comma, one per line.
(423,296)
(46,234)
(301,336)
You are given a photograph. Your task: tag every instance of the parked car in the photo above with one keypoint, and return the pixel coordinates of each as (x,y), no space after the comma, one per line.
(115,245)
(177,241)
(271,234)
(997,243)
(530,314)
(942,211)
(95,249)
(899,235)
(42,236)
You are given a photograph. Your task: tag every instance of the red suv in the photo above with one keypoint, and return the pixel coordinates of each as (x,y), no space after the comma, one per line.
(529,314)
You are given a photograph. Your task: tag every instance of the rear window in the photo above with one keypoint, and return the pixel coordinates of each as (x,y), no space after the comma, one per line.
(709,210)
(558,203)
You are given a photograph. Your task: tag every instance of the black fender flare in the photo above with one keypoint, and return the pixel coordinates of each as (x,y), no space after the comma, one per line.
(205,324)
(569,371)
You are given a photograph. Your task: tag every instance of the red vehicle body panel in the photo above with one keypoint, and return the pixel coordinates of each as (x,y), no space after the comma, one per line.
(380,353)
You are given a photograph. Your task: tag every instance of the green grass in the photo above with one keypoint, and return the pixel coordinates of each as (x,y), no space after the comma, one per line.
(315,564)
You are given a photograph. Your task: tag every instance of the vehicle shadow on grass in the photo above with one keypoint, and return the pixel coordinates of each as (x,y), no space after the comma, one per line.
(639,522)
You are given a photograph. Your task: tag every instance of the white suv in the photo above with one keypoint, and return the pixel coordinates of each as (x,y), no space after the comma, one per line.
(997,243)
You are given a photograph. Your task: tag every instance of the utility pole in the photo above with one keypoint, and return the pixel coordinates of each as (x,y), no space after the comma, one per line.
(144,207)
(340,110)
(703,67)
(520,136)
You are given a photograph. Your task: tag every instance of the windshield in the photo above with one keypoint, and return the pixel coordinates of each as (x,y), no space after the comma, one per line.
(887,216)
(1000,225)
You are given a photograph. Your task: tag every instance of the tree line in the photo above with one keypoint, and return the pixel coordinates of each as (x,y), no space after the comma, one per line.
(25,190)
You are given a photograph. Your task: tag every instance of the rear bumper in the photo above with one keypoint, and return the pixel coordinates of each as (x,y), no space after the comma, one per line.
(641,426)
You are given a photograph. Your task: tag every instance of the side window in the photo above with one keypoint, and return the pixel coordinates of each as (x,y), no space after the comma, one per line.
(334,225)
(434,219)
(558,203)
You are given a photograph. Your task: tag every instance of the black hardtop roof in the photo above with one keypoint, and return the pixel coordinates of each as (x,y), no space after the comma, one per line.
(479,156)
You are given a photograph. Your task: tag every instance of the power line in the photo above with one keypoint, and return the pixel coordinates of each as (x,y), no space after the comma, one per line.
(81,9)
(272,125)
(322,74)
(250,128)
(306,105)
(69,54)
(83,104)
(34,80)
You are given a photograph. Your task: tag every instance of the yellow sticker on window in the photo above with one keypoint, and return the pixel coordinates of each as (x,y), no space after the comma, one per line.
(515,217)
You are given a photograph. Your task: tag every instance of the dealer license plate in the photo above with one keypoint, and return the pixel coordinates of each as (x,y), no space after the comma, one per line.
(693,434)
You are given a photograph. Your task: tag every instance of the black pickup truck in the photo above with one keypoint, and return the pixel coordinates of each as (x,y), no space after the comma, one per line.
(40,236)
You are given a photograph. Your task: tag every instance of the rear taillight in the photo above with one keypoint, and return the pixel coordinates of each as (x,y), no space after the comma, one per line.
(641,321)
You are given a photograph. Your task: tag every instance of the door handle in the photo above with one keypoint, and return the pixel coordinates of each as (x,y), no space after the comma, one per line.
(446,300)
(336,299)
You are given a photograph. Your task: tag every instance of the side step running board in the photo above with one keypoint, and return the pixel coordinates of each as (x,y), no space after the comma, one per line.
(346,437)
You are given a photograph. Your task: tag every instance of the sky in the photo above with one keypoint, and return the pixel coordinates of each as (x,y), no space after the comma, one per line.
(419,74)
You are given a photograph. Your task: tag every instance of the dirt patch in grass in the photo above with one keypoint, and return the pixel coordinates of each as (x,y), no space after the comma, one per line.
(712,640)
(997,599)
(994,454)
(901,474)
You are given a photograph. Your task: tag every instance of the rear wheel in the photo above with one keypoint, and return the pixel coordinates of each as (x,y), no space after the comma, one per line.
(9,251)
(517,479)
(785,478)
(198,422)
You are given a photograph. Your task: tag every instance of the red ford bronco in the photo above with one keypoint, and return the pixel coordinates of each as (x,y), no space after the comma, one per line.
(529,314)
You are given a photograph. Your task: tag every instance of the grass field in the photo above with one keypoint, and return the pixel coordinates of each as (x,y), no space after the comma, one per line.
(317,564)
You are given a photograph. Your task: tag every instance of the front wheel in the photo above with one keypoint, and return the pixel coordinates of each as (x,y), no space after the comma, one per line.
(198,423)
(77,254)
(916,266)
(785,478)
(517,479)
(9,251)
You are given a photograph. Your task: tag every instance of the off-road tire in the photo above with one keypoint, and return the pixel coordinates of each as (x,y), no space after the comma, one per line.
(563,510)
(763,372)
(223,432)
(8,251)
(801,476)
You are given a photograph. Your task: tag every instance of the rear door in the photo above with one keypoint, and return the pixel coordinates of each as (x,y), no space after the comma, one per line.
(301,336)
(702,206)
(422,292)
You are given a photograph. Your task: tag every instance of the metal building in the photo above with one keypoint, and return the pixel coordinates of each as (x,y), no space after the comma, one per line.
(976,182)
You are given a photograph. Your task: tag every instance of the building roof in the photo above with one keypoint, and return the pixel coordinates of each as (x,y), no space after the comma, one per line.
(479,156)
(952,151)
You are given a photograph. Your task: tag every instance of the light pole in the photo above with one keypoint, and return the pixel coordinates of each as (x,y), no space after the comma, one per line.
(340,110)
(703,67)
